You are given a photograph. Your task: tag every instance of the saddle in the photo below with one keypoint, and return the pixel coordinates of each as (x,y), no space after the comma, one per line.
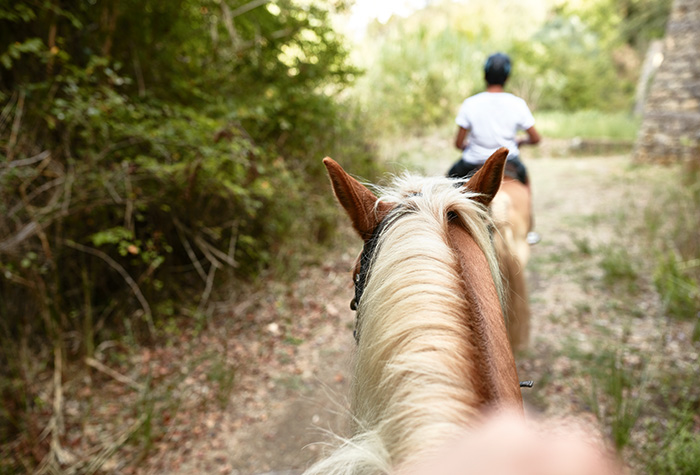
(516,171)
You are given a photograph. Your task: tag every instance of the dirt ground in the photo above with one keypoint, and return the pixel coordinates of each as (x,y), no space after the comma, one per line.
(261,386)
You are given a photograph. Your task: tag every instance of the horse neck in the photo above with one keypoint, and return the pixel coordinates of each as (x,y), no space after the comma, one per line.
(494,356)
(428,363)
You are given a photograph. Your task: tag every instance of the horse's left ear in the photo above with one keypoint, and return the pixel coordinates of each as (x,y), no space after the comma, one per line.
(487,180)
(364,209)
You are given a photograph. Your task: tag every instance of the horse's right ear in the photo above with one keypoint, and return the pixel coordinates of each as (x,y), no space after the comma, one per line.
(364,209)
(487,180)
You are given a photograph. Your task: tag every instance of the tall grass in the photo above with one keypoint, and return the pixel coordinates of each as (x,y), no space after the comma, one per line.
(679,452)
(672,227)
(615,387)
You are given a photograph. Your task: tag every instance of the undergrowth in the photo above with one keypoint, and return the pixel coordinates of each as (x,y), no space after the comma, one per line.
(145,181)
(672,225)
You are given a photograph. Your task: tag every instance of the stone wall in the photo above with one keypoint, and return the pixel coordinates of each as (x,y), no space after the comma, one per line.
(670,129)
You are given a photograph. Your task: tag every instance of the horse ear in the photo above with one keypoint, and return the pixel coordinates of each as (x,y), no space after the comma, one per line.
(364,209)
(487,180)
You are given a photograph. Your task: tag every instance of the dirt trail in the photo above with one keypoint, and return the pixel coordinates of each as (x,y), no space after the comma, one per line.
(299,344)
(276,438)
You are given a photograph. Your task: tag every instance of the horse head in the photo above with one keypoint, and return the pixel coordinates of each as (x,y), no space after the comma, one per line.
(433,355)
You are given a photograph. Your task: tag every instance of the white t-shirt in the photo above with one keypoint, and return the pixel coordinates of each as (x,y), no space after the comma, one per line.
(493,119)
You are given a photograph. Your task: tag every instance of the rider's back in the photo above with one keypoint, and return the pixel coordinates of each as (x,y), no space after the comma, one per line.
(493,120)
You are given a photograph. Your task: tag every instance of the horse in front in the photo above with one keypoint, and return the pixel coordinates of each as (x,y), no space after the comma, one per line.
(433,355)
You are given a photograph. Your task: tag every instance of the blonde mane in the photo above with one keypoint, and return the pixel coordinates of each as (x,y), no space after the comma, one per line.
(414,369)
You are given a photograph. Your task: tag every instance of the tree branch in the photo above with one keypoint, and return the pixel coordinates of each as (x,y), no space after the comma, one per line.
(125,275)
(26,161)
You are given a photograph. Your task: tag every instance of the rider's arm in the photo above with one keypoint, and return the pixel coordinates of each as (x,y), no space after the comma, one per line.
(459,138)
(533,137)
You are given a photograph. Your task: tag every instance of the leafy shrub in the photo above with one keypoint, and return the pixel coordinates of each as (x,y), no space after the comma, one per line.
(420,68)
(146,169)
(584,76)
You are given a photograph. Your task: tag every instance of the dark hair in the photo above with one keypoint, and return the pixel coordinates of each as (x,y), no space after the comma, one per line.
(497,69)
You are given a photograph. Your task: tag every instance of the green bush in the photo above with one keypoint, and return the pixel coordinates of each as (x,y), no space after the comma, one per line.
(420,68)
(156,151)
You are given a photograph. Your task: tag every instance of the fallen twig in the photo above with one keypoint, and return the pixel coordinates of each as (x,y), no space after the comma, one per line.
(96,462)
(57,455)
(93,363)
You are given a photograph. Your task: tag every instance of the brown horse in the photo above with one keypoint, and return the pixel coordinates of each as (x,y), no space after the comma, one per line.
(432,351)
(511,211)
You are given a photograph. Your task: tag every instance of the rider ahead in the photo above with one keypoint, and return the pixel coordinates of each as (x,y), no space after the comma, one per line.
(492,119)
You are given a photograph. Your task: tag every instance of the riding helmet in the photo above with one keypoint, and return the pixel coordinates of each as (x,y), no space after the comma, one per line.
(497,68)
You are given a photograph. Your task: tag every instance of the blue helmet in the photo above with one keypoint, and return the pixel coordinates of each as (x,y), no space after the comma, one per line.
(497,68)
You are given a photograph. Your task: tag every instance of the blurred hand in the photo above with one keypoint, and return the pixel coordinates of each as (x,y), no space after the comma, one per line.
(507,445)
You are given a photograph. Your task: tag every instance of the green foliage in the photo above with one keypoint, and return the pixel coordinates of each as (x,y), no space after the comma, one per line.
(632,22)
(588,124)
(15,50)
(155,150)
(420,68)
(187,143)
(584,76)
(566,59)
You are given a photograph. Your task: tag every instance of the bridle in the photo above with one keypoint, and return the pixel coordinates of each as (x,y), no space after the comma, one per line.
(368,251)
(365,260)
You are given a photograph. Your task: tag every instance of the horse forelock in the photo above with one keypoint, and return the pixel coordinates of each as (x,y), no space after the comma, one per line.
(441,200)
(415,365)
